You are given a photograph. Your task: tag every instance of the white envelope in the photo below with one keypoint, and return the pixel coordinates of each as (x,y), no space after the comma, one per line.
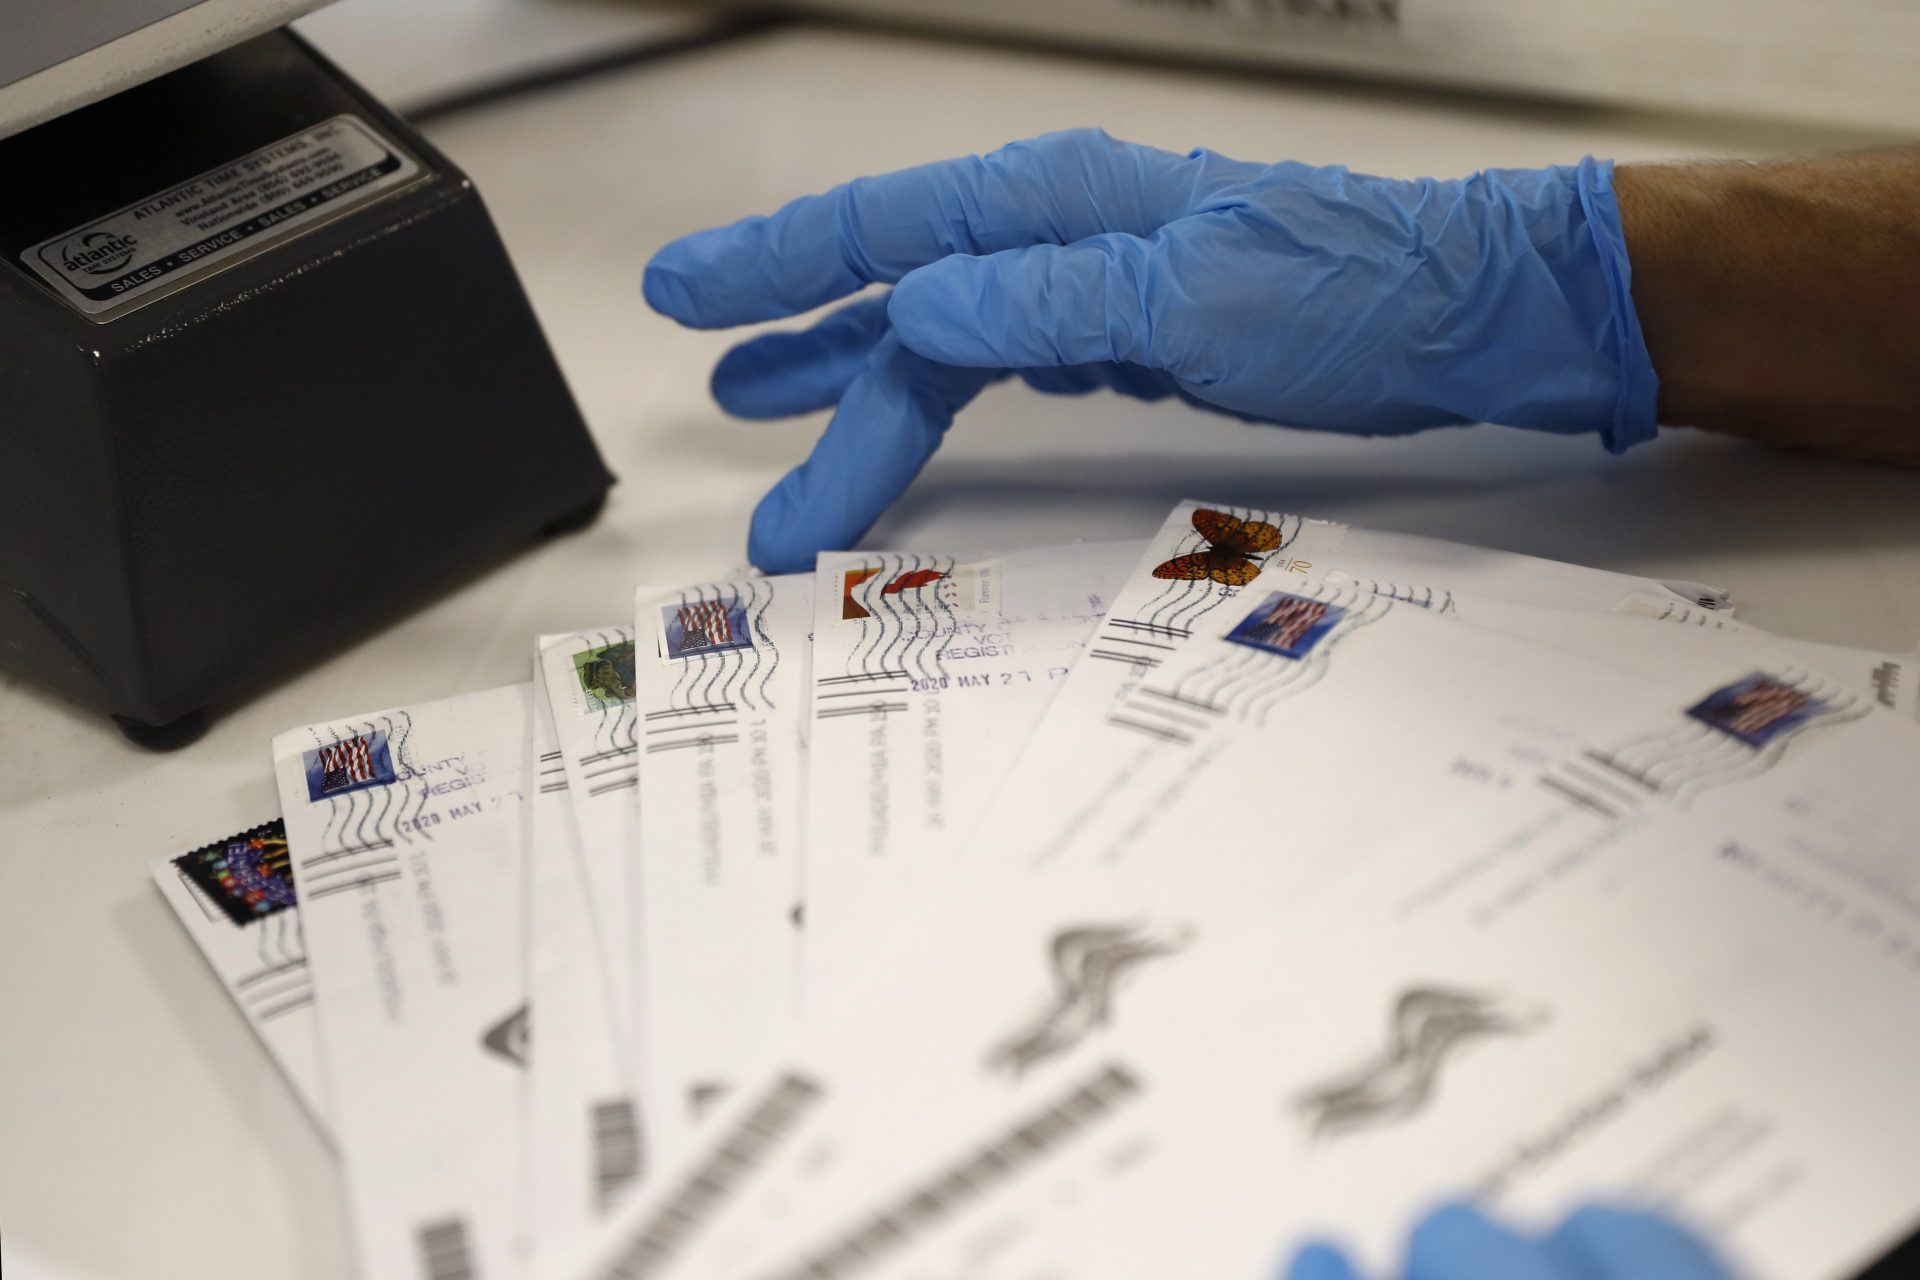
(1674,965)
(1204,559)
(930,673)
(721,687)
(406,831)
(235,898)
(583,1137)
(589,678)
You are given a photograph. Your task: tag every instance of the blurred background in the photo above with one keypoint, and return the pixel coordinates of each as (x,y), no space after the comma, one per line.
(1836,62)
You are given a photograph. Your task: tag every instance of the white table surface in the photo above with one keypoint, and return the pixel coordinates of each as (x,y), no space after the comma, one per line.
(143,1133)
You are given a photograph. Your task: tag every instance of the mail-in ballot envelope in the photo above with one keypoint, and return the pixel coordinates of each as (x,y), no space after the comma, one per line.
(405,833)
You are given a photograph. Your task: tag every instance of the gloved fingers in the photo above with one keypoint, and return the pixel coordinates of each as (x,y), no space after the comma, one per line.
(1066,380)
(1127,379)
(1080,379)
(1609,1242)
(1053,189)
(779,375)
(1318,1261)
(1084,303)
(1461,1243)
(889,422)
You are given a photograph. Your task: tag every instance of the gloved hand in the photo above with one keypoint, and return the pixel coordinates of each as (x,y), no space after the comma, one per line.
(1458,1243)
(1308,296)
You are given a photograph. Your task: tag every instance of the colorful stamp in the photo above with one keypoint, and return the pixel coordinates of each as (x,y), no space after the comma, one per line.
(1234,552)
(606,673)
(704,627)
(964,588)
(1287,624)
(851,608)
(351,764)
(248,876)
(1756,710)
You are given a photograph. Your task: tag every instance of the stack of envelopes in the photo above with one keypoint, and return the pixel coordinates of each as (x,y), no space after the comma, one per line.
(1101,910)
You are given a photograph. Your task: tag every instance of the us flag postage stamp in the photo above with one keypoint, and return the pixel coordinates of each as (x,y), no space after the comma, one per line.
(1287,624)
(352,764)
(697,628)
(1756,710)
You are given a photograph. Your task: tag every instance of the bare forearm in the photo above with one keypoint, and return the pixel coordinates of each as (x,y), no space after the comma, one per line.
(1782,301)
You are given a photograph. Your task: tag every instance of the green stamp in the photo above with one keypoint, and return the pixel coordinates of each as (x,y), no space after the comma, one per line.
(606,674)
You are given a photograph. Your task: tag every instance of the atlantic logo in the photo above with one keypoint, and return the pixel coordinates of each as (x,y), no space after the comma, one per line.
(98,253)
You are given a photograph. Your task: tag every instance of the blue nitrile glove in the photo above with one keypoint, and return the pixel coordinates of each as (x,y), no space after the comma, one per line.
(1458,1243)
(1276,292)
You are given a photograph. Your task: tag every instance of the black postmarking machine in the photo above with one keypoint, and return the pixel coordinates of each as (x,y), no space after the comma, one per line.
(267,378)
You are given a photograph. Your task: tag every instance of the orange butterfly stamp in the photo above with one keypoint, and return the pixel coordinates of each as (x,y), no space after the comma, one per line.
(1235,550)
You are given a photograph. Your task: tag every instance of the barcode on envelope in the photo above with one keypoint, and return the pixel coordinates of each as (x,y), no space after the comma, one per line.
(926,1204)
(713,1181)
(616,1149)
(444,1251)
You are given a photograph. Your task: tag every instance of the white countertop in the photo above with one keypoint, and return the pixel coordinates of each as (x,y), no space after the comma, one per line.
(143,1133)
